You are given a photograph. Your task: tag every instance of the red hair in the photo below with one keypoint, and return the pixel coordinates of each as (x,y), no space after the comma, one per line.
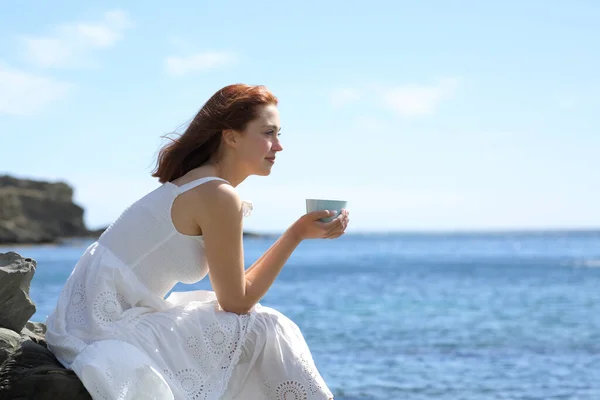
(232,107)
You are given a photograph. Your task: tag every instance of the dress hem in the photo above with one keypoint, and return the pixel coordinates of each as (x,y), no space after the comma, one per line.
(235,358)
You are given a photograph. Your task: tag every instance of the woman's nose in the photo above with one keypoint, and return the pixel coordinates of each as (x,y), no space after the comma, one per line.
(277,146)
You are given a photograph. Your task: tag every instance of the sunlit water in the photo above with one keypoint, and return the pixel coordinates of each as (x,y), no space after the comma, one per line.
(428,316)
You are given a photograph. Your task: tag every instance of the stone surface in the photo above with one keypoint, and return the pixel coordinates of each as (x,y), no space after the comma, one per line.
(16,273)
(35,331)
(9,342)
(28,370)
(38,212)
(32,372)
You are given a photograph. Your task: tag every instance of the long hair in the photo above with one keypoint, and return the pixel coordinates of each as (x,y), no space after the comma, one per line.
(232,107)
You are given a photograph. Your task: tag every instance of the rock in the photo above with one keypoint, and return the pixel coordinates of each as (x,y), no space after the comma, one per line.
(16,273)
(32,372)
(97,232)
(28,370)
(9,342)
(35,331)
(38,212)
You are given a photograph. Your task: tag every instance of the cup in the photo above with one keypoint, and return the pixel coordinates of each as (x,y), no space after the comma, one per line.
(322,204)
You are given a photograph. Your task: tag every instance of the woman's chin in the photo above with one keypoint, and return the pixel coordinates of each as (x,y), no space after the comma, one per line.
(265,170)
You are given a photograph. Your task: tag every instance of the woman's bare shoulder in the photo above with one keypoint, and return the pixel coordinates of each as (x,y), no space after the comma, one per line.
(213,198)
(213,203)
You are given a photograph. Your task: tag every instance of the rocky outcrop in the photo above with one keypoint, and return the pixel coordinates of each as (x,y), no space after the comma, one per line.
(16,273)
(28,370)
(38,212)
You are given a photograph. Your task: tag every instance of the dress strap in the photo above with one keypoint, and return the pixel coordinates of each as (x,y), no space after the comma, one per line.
(190,185)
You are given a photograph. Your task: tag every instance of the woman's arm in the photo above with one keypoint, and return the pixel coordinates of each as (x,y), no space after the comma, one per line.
(262,257)
(263,272)
(220,219)
(261,275)
(343,218)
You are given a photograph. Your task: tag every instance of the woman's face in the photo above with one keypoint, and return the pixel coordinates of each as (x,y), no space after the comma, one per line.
(260,141)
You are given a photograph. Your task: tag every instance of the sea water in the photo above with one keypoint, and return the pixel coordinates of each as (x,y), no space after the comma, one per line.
(427,316)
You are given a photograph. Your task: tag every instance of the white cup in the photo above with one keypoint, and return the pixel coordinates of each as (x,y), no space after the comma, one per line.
(323,204)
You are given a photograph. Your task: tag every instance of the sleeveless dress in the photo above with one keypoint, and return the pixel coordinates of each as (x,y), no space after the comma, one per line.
(114,328)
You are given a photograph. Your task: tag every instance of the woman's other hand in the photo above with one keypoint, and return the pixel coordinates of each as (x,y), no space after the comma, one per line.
(309,227)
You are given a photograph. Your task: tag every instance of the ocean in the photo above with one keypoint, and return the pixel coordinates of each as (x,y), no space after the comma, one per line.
(427,316)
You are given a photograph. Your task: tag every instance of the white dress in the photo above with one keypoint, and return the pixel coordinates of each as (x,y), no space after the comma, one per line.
(114,328)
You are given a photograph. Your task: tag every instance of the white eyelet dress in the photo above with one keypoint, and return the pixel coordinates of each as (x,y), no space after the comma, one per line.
(114,328)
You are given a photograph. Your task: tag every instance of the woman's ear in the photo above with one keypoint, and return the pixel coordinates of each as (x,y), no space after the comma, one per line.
(230,137)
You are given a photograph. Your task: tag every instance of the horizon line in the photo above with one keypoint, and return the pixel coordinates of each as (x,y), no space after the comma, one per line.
(458,231)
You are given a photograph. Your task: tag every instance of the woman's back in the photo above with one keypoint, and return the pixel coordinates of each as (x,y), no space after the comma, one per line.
(145,239)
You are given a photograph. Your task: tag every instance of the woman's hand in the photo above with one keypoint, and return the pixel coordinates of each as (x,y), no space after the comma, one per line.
(309,227)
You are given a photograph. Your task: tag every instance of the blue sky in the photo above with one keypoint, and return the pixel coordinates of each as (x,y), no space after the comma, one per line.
(423,115)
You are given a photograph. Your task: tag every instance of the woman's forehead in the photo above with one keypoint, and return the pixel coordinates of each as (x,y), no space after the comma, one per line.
(268,115)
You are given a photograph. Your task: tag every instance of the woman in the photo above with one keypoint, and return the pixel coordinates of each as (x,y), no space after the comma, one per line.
(112,324)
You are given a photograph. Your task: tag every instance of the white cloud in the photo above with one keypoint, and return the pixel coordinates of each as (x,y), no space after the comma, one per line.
(70,44)
(342,97)
(198,62)
(417,100)
(22,93)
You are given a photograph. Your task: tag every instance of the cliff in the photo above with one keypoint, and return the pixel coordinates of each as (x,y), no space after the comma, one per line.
(38,212)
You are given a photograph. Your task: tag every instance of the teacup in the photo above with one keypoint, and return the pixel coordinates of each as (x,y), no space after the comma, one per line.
(323,204)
